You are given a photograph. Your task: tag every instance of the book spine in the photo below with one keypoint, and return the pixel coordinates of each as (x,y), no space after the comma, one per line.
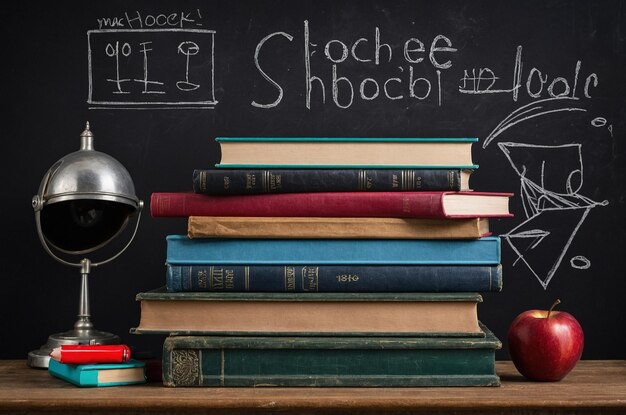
(350,139)
(249,181)
(183,250)
(338,228)
(210,365)
(288,278)
(324,204)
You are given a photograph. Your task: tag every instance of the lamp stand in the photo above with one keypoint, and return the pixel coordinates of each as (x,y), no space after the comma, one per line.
(83,332)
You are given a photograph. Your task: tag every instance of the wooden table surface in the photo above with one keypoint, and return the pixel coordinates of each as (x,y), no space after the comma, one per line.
(593,387)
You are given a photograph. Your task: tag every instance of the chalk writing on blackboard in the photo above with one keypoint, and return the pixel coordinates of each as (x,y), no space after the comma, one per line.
(413,73)
(151,68)
(139,20)
(551,177)
(538,85)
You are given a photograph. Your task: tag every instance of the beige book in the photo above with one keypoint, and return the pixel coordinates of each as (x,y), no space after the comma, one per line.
(310,313)
(357,228)
(345,153)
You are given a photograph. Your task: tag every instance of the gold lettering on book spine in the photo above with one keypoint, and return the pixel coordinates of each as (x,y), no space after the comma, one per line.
(250,181)
(229,279)
(202,278)
(246,276)
(217,278)
(275,181)
(309,278)
(347,278)
(185,366)
(271,182)
(290,278)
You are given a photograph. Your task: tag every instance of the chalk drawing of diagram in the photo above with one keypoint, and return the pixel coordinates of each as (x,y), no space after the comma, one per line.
(550,180)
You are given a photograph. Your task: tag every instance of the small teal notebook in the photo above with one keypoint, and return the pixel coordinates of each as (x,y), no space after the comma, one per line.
(102,374)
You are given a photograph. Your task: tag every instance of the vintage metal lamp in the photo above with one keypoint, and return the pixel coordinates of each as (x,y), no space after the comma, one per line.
(84,201)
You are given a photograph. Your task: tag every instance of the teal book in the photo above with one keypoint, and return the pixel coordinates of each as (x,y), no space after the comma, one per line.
(215,361)
(346,152)
(333,278)
(309,314)
(183,250)
(101,374)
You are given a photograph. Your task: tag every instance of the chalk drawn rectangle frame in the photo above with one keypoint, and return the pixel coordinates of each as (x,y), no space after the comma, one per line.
(152,104)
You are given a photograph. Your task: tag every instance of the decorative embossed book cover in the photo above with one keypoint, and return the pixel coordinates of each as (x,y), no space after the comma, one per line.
(330,361)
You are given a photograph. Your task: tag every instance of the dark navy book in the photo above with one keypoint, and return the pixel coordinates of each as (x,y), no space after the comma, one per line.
(258,181)
(334,278)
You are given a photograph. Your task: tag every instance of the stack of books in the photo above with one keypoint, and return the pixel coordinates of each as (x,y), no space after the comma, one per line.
(329,262)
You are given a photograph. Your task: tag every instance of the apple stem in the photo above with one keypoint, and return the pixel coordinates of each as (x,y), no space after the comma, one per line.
(553,305)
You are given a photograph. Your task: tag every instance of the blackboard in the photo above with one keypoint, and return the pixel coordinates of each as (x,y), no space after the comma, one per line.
(540,83)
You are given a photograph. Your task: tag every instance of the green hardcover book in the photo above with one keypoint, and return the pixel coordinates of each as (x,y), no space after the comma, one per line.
(311,314)
(214,361)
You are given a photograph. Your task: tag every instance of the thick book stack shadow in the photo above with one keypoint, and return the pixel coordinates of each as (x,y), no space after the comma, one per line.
(308,271)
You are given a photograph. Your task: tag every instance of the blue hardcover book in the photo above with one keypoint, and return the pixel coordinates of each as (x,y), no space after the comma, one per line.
(183,250)
(334,278)
(101,374)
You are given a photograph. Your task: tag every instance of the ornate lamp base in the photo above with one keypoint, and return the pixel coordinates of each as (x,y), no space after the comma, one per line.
(41,357)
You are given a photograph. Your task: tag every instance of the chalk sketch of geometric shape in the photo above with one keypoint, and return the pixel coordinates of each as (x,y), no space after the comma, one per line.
(557,169)
(541,245)
(536,199)
(540,108)
(550,179)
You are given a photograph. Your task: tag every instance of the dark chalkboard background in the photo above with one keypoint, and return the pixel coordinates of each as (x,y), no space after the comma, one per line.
(547,48)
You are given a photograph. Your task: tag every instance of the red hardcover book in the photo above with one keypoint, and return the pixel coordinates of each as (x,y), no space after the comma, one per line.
(335,204)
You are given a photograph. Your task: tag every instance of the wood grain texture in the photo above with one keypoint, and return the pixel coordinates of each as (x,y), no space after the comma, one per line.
(594,387)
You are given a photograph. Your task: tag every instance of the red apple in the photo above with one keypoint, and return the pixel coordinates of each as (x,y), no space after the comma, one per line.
(545,345)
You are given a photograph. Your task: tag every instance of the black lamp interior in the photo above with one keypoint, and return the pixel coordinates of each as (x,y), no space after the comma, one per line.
(81,225)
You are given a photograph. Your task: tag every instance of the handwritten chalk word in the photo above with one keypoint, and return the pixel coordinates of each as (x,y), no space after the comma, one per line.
(414,50)
(484,81)
(137,20)
(404,83)
(149,68)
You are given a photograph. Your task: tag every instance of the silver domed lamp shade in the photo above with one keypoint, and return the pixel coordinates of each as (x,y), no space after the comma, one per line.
(84,201)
